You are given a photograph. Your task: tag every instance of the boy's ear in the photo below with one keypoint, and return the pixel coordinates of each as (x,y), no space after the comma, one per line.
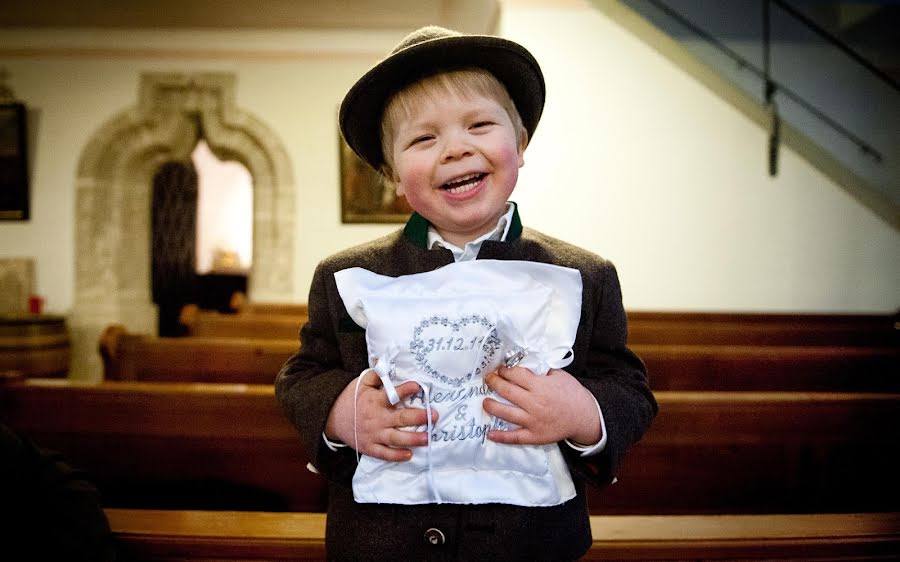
(523,144)
(388,172)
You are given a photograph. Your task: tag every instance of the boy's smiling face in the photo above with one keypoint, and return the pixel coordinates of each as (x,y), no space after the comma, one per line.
(456,159)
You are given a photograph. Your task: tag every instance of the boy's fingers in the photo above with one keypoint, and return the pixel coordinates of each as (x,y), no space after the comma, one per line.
(513,437)
(370,378)
(505,412)
(407,389)
(517,375)
(407,417)
(396,445)
(389,453)
(399,438)
(505,388)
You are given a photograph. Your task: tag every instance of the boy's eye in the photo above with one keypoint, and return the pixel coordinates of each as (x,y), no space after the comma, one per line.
(480,124)
(423,138)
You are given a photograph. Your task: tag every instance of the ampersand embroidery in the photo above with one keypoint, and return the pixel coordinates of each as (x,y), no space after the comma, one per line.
(438,341)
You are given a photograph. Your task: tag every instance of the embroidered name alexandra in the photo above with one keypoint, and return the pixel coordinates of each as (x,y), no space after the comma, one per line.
(466,428)
(454,395)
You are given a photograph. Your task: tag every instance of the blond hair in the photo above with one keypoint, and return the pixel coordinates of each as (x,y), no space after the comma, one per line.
(464,82)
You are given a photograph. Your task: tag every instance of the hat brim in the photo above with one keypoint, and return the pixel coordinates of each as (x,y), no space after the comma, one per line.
(362,108)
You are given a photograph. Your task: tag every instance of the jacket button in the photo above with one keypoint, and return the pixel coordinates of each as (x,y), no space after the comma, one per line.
(435,536)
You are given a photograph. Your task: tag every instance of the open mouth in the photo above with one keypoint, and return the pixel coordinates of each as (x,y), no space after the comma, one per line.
(464,183)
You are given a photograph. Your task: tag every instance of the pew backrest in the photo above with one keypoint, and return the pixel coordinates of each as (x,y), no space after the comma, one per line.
(645,327)
(706,328)
(707,452)
(141,357)
(689,351)
(207,323)
(771,367)
(284,309)
(139,439)
(239,303)
(761,452)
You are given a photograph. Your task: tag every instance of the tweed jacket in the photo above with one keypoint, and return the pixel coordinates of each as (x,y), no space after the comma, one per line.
(333,352)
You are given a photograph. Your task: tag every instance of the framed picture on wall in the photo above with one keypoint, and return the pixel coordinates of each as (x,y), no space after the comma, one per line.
(13,163)
(366,195)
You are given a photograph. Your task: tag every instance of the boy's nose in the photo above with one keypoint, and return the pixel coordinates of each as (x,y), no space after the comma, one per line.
(454,150)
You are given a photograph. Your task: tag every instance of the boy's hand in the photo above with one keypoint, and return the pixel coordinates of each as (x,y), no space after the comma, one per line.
(547,409)
(378,422)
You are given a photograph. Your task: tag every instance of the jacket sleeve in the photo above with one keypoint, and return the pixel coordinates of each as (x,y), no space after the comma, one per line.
(311,380)
(616,377)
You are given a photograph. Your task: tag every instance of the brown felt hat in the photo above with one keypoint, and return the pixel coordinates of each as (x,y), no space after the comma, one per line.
(427,51)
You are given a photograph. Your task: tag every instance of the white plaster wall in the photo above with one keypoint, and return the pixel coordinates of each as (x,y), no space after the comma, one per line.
(292,81)
(639,162)
(633,159)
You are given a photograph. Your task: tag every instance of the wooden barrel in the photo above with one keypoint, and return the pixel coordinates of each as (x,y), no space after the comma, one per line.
(36,345)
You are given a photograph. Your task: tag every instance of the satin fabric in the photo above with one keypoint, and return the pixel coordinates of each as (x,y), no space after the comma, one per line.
(446,329)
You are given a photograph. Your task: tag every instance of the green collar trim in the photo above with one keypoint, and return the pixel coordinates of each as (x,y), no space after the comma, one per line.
(416,229)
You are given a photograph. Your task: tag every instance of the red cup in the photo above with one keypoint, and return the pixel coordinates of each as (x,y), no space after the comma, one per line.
(35,304)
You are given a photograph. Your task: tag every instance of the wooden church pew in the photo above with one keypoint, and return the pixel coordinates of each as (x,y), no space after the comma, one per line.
(263,325)
(707,452)
(761,452)
(240,304)
(671,367)
(771,367)
(142,357)
(170,444)
(695,351)
(761,329)
(274,320)
(733,537)
(204,535)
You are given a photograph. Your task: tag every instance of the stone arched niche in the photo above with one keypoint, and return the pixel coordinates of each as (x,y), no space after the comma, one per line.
(112,274)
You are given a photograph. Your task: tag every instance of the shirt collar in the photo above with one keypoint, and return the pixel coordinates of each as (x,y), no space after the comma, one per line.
(417,228)
(470,251)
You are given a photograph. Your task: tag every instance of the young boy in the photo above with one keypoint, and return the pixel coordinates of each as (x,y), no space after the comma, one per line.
(447,118)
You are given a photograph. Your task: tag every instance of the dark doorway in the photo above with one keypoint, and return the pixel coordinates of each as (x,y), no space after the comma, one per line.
(174,242)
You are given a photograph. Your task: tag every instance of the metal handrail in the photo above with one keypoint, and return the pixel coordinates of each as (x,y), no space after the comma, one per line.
(846,49)
(864,146)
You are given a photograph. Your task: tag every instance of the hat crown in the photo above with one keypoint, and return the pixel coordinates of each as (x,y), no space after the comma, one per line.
(423,34)
(426,51)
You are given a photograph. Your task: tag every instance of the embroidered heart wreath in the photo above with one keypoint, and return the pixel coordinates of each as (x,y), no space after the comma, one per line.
(440,334)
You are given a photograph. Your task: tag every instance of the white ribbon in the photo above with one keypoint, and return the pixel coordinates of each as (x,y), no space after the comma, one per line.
(386,371)
(540,361)
(385,368)
(426,390)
